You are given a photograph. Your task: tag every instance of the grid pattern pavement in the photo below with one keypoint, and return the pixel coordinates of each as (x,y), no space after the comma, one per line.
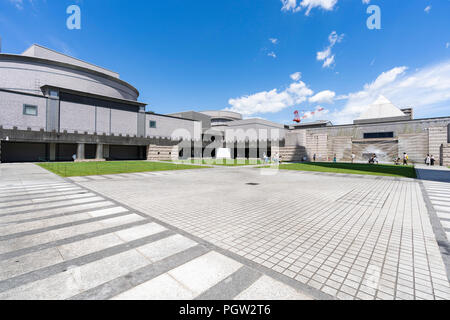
(439,194)
(350,237)
(61,241)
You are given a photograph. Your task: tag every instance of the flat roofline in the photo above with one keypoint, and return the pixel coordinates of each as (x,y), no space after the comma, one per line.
(169,116)
(93,95)
(381,123)
(31,59)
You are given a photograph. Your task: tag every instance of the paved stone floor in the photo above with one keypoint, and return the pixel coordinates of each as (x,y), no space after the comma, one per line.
(216,233)
(62,241)
(350,237)
(436,181)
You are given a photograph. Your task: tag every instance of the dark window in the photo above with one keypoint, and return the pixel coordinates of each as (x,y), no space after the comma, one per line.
(30,110)
(153,124)
(377,135)
(64,96)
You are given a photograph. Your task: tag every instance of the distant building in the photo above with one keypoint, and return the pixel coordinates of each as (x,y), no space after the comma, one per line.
(53,106)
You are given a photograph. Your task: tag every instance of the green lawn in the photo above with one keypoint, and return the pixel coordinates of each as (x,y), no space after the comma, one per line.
(70,169)
(369,169)
(223,162)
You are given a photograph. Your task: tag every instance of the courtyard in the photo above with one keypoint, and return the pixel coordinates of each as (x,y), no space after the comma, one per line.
(222,233)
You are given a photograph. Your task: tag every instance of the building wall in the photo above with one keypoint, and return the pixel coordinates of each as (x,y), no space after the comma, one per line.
(29,77)
(417,138)
(123,122)
(438,136)
(168,127)
(253,131)
(415,145)
(317,144)
(446,155)
(11,111)
(77,117)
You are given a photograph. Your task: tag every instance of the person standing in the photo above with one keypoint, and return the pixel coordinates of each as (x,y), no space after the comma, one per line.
(405,158)
(335,159)
(432,160)
(428,160)
(314,157)
(353,157)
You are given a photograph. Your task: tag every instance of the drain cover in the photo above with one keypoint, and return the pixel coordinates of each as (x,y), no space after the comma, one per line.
(252,184)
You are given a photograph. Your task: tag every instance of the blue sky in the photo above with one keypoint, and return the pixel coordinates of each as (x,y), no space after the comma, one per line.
(258,57)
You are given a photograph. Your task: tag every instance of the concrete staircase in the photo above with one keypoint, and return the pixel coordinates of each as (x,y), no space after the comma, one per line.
(162,153)
(291,154)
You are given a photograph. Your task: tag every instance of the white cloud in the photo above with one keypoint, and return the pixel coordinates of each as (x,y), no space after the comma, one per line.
(271,101)
(326,55)
(426,90)
(428,9)
(273,40)
(294,6)
(447,45)
(366,1)
(325,96)
(17,3)
(296,76)
(272,54)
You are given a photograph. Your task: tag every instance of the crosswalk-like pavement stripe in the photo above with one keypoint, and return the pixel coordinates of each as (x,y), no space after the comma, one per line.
(101,211)
(61,205)
(229,288)
(28,187)
(119,285)
(43,201)
(63,266)
(70,239)
(439,195)
(57,240)
(61,226)
(38,192)
(44,195)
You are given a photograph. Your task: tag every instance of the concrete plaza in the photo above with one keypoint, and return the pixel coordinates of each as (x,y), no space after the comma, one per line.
(221,233)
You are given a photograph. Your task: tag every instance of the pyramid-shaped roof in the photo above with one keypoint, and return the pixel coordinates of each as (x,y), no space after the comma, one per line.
(381,108)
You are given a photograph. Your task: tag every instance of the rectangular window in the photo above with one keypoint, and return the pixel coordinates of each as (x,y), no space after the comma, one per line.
(30,110)
(153,124)
(378,135)
(54,94)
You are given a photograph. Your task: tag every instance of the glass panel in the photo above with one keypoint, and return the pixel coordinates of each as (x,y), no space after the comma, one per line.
(30,110)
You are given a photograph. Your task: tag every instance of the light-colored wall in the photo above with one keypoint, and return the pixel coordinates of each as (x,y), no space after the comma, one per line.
(415,145)
(77,117)
(249,130)
(11,111)
(172,127)
(123,122)
(437,137)
(29,77)
(103,120)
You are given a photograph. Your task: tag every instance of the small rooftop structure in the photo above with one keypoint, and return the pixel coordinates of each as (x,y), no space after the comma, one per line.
(38,51)
(382,110)
(314,124)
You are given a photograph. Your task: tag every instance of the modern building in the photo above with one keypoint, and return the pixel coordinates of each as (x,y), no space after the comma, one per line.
(53,106)
(383,129)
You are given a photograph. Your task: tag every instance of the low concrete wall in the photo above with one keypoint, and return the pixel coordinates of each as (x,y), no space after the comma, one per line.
(446,155)
(162,153)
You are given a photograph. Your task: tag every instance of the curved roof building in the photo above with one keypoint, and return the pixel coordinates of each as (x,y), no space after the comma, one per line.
(39,66)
